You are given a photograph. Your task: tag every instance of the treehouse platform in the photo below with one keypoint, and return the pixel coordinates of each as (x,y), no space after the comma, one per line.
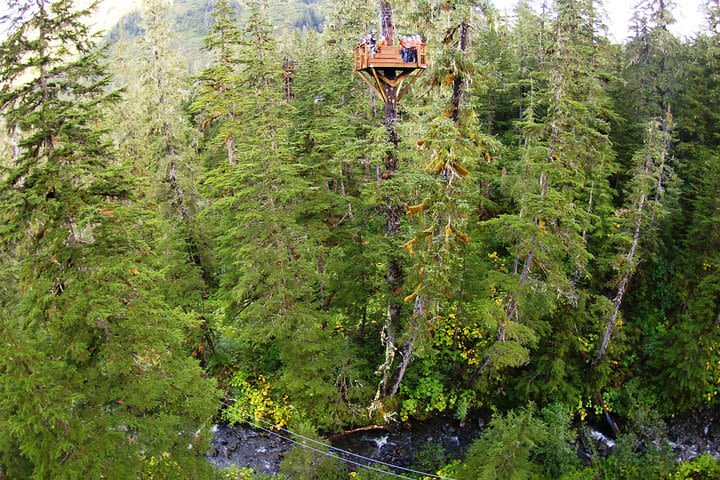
(386,71)
(388,57)
(289,68)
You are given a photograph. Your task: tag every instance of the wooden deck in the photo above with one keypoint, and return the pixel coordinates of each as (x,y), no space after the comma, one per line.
(388,57)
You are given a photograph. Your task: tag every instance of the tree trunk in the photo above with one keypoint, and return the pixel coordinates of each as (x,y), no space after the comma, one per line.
(386,22)
(368,428)
(407,350)
(458,82)
(622,286)
(230,145)
(15,143)
(393,215)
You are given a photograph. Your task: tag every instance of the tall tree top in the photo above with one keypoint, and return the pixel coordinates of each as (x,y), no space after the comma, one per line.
(651,14)
(224,31)
(42,35)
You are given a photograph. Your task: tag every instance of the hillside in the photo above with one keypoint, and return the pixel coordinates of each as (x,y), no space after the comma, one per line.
(191,19)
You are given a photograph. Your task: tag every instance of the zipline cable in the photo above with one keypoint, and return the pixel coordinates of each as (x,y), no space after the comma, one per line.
(328,454)
(330,447)
(340,450)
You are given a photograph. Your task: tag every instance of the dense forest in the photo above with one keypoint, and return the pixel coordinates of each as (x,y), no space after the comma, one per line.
(534,233)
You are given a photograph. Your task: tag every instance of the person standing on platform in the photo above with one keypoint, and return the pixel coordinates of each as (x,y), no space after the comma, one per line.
(373,43)
(382,43)
(404,49)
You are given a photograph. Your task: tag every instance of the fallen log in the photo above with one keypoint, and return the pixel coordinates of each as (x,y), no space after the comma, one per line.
(357,430)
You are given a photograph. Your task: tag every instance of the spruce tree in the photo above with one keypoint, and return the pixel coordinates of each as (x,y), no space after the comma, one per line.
(264,210)
(215,89)
(691,324)
(564,157)
(155,140)
(645,198)
(651,71)
(448,144)
(95,378)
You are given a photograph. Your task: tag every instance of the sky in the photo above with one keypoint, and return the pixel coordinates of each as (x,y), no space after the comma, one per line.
(688,16)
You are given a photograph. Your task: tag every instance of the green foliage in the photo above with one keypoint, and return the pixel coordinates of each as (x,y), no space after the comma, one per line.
(525,443)
(559,241)
(431,457)
(302,463)
(704,467)
(242,473)
(96,378)
(506,447)
(557,454)
(630,461)
(255,401)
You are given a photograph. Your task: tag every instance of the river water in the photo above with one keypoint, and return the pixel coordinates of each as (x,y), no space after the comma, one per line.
(689,436)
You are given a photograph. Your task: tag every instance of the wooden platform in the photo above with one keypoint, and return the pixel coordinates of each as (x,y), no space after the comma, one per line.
(388,58)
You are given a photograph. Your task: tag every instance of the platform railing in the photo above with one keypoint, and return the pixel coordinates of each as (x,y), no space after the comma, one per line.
(363,59)
(422,55)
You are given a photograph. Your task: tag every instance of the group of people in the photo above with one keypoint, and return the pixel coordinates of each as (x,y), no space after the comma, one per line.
(408,45)
(373,42)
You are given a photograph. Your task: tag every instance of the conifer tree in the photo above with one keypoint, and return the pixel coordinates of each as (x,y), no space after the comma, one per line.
(390,204)
(561,155)
(448,145)
(653,52)
(156,141)
(216,90)
(645,198)
(164,89)
(95,378)
(262,216)
(250,197)
(693,326)
(505,452)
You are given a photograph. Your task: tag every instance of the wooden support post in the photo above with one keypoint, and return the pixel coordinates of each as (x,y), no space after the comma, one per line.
(407,87)
(375,89)
(394,82)
(380,85)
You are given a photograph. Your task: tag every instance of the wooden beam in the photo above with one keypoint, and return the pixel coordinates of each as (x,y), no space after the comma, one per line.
(373,87)
(407,87)
(379,83)
(396,81)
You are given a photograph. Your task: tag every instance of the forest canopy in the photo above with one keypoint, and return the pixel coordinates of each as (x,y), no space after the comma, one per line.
(532,230)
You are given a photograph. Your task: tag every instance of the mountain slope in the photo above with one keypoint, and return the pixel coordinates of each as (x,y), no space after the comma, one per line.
(192,19)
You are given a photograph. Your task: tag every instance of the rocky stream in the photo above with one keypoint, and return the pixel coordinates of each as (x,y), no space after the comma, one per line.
(689,435)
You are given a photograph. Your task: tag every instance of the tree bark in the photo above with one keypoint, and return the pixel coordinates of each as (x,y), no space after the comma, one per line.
(622,286)
(15,143)
(386,22)
(230,145)
(407,350)
(458,81)
(393,216)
